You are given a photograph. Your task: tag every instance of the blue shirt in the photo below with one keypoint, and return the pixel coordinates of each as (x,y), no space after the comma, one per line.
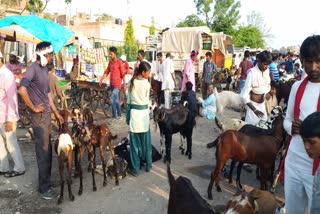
(37,83)
(210,104)
(273,68)
(289,66)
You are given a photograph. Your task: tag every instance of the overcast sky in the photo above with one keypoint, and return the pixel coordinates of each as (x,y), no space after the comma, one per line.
(290,22)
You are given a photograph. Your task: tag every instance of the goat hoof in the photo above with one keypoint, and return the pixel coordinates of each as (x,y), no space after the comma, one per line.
(80,192)
(190,156)
(182,151)
(104,183)
(117,183)
(210,196)
(94,189)
(239,186)
(60,200)
(72,198)
(219,189)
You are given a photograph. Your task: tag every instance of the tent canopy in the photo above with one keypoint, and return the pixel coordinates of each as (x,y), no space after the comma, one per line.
(34,29)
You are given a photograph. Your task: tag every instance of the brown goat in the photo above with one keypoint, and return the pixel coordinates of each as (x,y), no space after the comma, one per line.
(248,148)
(64,148)
(242,203)
(90,136)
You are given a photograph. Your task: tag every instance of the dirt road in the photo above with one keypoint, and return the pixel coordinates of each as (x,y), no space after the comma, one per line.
(147,193)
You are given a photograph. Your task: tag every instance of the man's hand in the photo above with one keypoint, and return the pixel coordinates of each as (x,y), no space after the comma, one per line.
(295,129)
(59,117)
(39,108)
(9,126)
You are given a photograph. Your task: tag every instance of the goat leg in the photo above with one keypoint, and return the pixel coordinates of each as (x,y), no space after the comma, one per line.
(61,162)
(181,147)
(189,145)
(69,181)
(91,154)
(168,143)
(80,170)
(263,178)
(233,164)
(114,163)
(103,165)
(239,168)
(209,190)
(76,151)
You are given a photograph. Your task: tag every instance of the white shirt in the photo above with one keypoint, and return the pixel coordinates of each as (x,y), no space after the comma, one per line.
(297,153)
(168,69)
(257,81)
(158,72)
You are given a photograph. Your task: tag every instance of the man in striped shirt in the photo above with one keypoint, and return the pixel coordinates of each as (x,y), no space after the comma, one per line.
(274,72)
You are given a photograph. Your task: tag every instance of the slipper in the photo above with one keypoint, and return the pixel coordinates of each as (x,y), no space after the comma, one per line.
(13,174)
(2,173)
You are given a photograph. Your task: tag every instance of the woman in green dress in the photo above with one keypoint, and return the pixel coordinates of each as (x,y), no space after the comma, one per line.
(139,122)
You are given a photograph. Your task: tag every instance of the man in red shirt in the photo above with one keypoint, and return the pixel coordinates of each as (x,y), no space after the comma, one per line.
(117,72)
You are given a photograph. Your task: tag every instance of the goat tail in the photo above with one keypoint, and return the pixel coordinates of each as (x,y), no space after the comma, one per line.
(171,178)
(218,122)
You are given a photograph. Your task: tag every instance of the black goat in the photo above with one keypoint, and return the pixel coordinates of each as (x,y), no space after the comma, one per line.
(184,198)
(171,121)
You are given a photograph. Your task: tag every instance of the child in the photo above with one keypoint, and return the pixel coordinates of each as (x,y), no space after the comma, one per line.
(271,98)
(310,133)
(298,71)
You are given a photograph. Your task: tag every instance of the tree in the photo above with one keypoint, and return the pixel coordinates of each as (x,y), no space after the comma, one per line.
(37,6)
(129,41)
(152,29)
(248,36)
(104,17)
(191,21)
(256,19)
(221,15)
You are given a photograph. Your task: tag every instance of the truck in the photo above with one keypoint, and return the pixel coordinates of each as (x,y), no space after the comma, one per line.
(181,41)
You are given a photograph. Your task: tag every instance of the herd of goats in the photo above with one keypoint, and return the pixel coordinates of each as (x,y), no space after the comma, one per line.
(238,141)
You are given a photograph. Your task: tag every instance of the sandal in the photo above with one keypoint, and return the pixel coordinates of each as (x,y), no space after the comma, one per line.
(13,174)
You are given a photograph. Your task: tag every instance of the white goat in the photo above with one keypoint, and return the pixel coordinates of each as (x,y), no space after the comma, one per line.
(65,143)
(228,99)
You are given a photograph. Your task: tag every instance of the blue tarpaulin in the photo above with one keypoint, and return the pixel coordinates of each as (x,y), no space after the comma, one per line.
(42,29)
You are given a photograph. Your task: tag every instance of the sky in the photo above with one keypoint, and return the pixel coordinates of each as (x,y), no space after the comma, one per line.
(289,22)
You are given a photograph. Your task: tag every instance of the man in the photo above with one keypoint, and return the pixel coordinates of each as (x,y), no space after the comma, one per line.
(169,80)
(117,72)
(274,72)
(207,75)
(304,99)
(8,123)
(257,85)
(14,65)
(35,92)
(157,75)
(244,66)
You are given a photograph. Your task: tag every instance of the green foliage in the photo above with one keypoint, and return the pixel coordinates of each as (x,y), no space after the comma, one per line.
(35,6)
(130,45)
(152,29)
(220,15)
(248,36)
(226,15)
(191,21)
(256,19)
(48,16)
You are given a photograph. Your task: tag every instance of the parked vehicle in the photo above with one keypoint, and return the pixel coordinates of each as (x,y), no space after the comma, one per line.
(181,41)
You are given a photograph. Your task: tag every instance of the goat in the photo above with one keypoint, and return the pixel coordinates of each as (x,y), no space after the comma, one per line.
(242,202)
(227,99)
(177,119)
(184,198)
(63,147)
(89,136)
(283,90)
(248,148)
(267,202)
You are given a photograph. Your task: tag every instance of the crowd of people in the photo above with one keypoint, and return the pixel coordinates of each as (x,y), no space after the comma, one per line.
(256,76)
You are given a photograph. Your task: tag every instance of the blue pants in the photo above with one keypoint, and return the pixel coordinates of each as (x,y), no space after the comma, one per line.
(241,85)
(115,106)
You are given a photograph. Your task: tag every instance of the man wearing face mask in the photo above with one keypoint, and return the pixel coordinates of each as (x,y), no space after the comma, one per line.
(35,92)
(257,85)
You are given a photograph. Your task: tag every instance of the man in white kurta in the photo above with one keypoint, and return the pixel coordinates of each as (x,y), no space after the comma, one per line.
(168,81)
(257,82)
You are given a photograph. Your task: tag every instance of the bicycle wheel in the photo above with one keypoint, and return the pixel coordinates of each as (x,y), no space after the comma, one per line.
(106,103)
(96,99)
